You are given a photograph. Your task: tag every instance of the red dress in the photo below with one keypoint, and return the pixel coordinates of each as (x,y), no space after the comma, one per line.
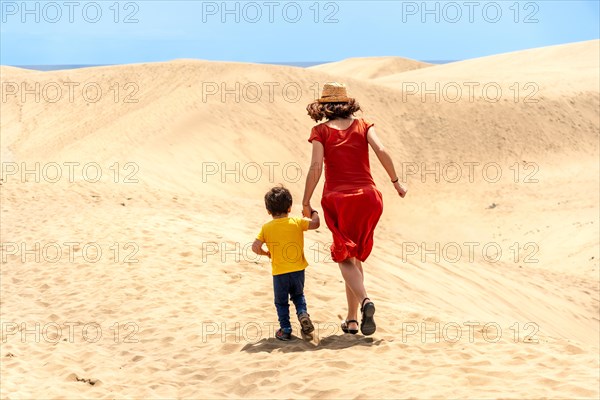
(351,203)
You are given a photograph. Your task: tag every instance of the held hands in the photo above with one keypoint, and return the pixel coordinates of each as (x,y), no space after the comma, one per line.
(307,210)
(401,189)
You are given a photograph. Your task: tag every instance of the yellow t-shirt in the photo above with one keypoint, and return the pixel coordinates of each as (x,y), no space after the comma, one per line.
(284,238)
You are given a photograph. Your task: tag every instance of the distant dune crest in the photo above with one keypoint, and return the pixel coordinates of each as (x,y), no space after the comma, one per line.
(370,67)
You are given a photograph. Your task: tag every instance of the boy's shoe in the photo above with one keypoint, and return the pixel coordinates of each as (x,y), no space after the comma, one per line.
(306,323)
(282,335)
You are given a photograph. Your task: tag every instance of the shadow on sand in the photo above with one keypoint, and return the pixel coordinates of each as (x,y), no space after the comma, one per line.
(333,342)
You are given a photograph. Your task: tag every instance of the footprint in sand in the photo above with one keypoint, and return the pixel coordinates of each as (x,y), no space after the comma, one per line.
(89,381)
(572,349)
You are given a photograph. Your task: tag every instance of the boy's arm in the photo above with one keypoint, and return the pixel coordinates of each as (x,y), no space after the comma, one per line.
(315,222)
(258,249)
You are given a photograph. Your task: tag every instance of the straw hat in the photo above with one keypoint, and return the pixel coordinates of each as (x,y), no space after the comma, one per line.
(334,92)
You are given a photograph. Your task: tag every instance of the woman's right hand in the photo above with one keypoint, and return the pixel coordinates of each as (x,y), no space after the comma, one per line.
(400,189)
(307,210)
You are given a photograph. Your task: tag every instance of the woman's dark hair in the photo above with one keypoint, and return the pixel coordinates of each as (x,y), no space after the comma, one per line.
(318,111)
(278,200)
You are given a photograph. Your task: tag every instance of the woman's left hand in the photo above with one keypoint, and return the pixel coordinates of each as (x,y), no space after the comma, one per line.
(400,189)
(307,211)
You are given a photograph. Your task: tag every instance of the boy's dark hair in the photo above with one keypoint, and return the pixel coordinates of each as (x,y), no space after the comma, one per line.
(278,200)
(319,111)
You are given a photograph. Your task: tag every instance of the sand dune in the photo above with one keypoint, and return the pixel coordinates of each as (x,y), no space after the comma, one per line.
(186,150)
(370,67)
(554,70)
(11,71)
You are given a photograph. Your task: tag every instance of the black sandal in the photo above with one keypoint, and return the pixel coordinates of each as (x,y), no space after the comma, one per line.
(367,324)
(345,326)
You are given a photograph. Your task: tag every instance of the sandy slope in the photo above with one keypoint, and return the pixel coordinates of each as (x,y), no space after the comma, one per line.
(194,307)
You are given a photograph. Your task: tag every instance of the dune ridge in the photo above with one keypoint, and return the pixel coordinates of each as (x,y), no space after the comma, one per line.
(370,67)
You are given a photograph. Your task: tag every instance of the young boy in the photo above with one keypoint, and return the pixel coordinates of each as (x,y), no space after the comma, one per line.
(284,237)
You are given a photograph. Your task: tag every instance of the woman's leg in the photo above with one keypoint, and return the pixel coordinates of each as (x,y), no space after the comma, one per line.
(352,273)
(358,264)
(353,301)
(352,309)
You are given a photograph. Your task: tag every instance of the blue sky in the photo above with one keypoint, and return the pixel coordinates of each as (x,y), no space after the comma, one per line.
(111,32)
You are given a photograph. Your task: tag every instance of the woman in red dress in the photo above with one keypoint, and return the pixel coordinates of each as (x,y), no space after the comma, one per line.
(351,202)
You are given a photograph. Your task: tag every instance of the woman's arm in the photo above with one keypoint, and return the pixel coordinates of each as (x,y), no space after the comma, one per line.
(313,176)
(385,160)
